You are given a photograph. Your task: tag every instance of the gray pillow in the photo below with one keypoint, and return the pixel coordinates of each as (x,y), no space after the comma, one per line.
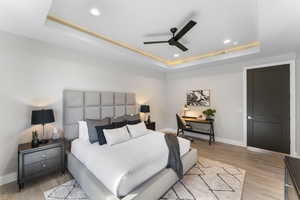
(91,124)
(118,119)
(133,119)
(118,122)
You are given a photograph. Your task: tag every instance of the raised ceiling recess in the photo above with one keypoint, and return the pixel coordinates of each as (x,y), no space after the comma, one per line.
(224,29)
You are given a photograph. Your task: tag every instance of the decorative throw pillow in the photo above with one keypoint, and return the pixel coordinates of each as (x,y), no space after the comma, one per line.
(138,129)
(83,131)
(116,135)
(101,136)
(91,124)
(133,119)
(119,122)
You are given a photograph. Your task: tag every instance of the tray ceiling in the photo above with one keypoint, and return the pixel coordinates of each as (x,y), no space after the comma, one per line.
(129,23)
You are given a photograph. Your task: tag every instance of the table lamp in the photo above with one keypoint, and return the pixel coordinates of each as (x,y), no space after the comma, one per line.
(145,109)
(42,117)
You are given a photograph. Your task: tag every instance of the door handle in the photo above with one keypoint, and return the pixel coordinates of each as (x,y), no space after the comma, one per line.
(250,118)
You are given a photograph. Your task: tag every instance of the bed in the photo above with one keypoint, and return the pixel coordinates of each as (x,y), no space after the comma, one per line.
(132,170)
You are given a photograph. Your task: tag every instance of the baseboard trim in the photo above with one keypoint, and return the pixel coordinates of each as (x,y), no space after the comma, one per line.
(223,140)
(8,178)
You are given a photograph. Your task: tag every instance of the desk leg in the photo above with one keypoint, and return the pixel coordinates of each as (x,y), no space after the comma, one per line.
(213,131)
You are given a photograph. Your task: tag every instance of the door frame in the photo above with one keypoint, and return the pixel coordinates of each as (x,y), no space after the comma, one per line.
(292,64)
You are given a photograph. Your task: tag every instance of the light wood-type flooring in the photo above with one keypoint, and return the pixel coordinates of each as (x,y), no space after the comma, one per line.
(264,178)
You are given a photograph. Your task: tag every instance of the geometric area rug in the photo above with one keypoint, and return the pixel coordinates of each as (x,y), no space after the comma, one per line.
(208,180)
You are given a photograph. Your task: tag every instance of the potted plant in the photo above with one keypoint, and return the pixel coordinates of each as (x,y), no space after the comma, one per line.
(209,113)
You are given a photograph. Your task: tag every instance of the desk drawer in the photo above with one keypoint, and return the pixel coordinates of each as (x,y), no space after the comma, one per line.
(38,156)
(200,127)
(42,166)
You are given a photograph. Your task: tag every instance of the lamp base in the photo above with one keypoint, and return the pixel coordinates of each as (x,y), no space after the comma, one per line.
(44,141)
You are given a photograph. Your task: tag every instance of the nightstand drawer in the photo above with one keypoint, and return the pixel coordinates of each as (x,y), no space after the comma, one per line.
(38,156)
(45,165)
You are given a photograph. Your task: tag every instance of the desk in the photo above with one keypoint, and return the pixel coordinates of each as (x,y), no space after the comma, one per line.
(210,132)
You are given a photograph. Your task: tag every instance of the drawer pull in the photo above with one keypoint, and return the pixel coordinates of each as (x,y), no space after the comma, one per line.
(44,165)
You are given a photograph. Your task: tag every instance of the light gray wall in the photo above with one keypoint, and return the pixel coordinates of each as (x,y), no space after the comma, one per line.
(34,74)
(226,85)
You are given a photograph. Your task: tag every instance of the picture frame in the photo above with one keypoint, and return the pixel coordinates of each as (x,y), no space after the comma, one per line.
(200,97)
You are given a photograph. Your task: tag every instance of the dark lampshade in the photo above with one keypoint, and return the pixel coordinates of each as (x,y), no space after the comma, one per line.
(145,108)
(42,117)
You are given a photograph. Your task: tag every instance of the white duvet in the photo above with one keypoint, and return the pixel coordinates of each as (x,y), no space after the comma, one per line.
(123,167)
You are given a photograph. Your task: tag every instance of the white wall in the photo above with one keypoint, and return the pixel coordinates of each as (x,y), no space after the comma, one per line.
(33,74)
(226,85)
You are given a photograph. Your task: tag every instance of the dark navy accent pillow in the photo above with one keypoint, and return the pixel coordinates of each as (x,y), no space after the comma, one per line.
(134,122)
(91,124)
(119,124)
(101,136)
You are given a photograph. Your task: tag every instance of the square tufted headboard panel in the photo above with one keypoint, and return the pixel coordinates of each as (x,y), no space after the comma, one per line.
(81,105)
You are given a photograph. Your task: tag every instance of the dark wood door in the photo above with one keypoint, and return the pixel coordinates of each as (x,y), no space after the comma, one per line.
(268,108)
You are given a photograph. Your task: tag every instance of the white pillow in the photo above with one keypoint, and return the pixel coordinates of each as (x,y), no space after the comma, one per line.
(83,131)
(137,130)
(116,135)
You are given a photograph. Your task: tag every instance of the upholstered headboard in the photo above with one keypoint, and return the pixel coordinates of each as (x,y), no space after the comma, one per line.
(81,105)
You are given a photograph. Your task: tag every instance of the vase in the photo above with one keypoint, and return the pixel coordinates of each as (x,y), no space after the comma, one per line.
(35,142)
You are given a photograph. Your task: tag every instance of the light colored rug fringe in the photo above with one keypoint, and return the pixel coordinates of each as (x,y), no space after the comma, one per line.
(208,180)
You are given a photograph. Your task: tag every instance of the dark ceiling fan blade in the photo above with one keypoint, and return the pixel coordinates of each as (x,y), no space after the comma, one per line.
(155,42)
(180,46)
(185,29)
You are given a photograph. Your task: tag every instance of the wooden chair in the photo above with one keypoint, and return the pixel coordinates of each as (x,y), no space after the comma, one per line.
(181,127)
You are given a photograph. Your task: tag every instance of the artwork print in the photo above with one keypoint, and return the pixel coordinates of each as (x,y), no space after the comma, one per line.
(198,98)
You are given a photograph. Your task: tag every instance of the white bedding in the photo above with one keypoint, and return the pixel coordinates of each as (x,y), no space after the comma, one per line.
(123,167)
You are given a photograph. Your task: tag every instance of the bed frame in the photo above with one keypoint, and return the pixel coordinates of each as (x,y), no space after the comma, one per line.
(81,105)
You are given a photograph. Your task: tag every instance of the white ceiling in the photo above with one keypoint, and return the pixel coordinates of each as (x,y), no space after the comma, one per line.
(275,23)
(136,21)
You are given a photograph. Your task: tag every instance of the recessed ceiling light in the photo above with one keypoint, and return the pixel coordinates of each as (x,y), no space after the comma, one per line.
(95,12)
(176,55)
(227,41)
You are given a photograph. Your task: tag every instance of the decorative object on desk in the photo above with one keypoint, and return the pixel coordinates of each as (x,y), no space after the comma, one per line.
(198,98)
(209,113)
(35,139)
(55,134)
(42,117)
(202,117)
(145,109)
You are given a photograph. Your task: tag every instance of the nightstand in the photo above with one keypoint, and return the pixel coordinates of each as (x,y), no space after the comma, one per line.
(150,125)
(38,161)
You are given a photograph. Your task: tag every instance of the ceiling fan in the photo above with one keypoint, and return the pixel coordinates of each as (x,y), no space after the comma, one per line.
(174,41)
